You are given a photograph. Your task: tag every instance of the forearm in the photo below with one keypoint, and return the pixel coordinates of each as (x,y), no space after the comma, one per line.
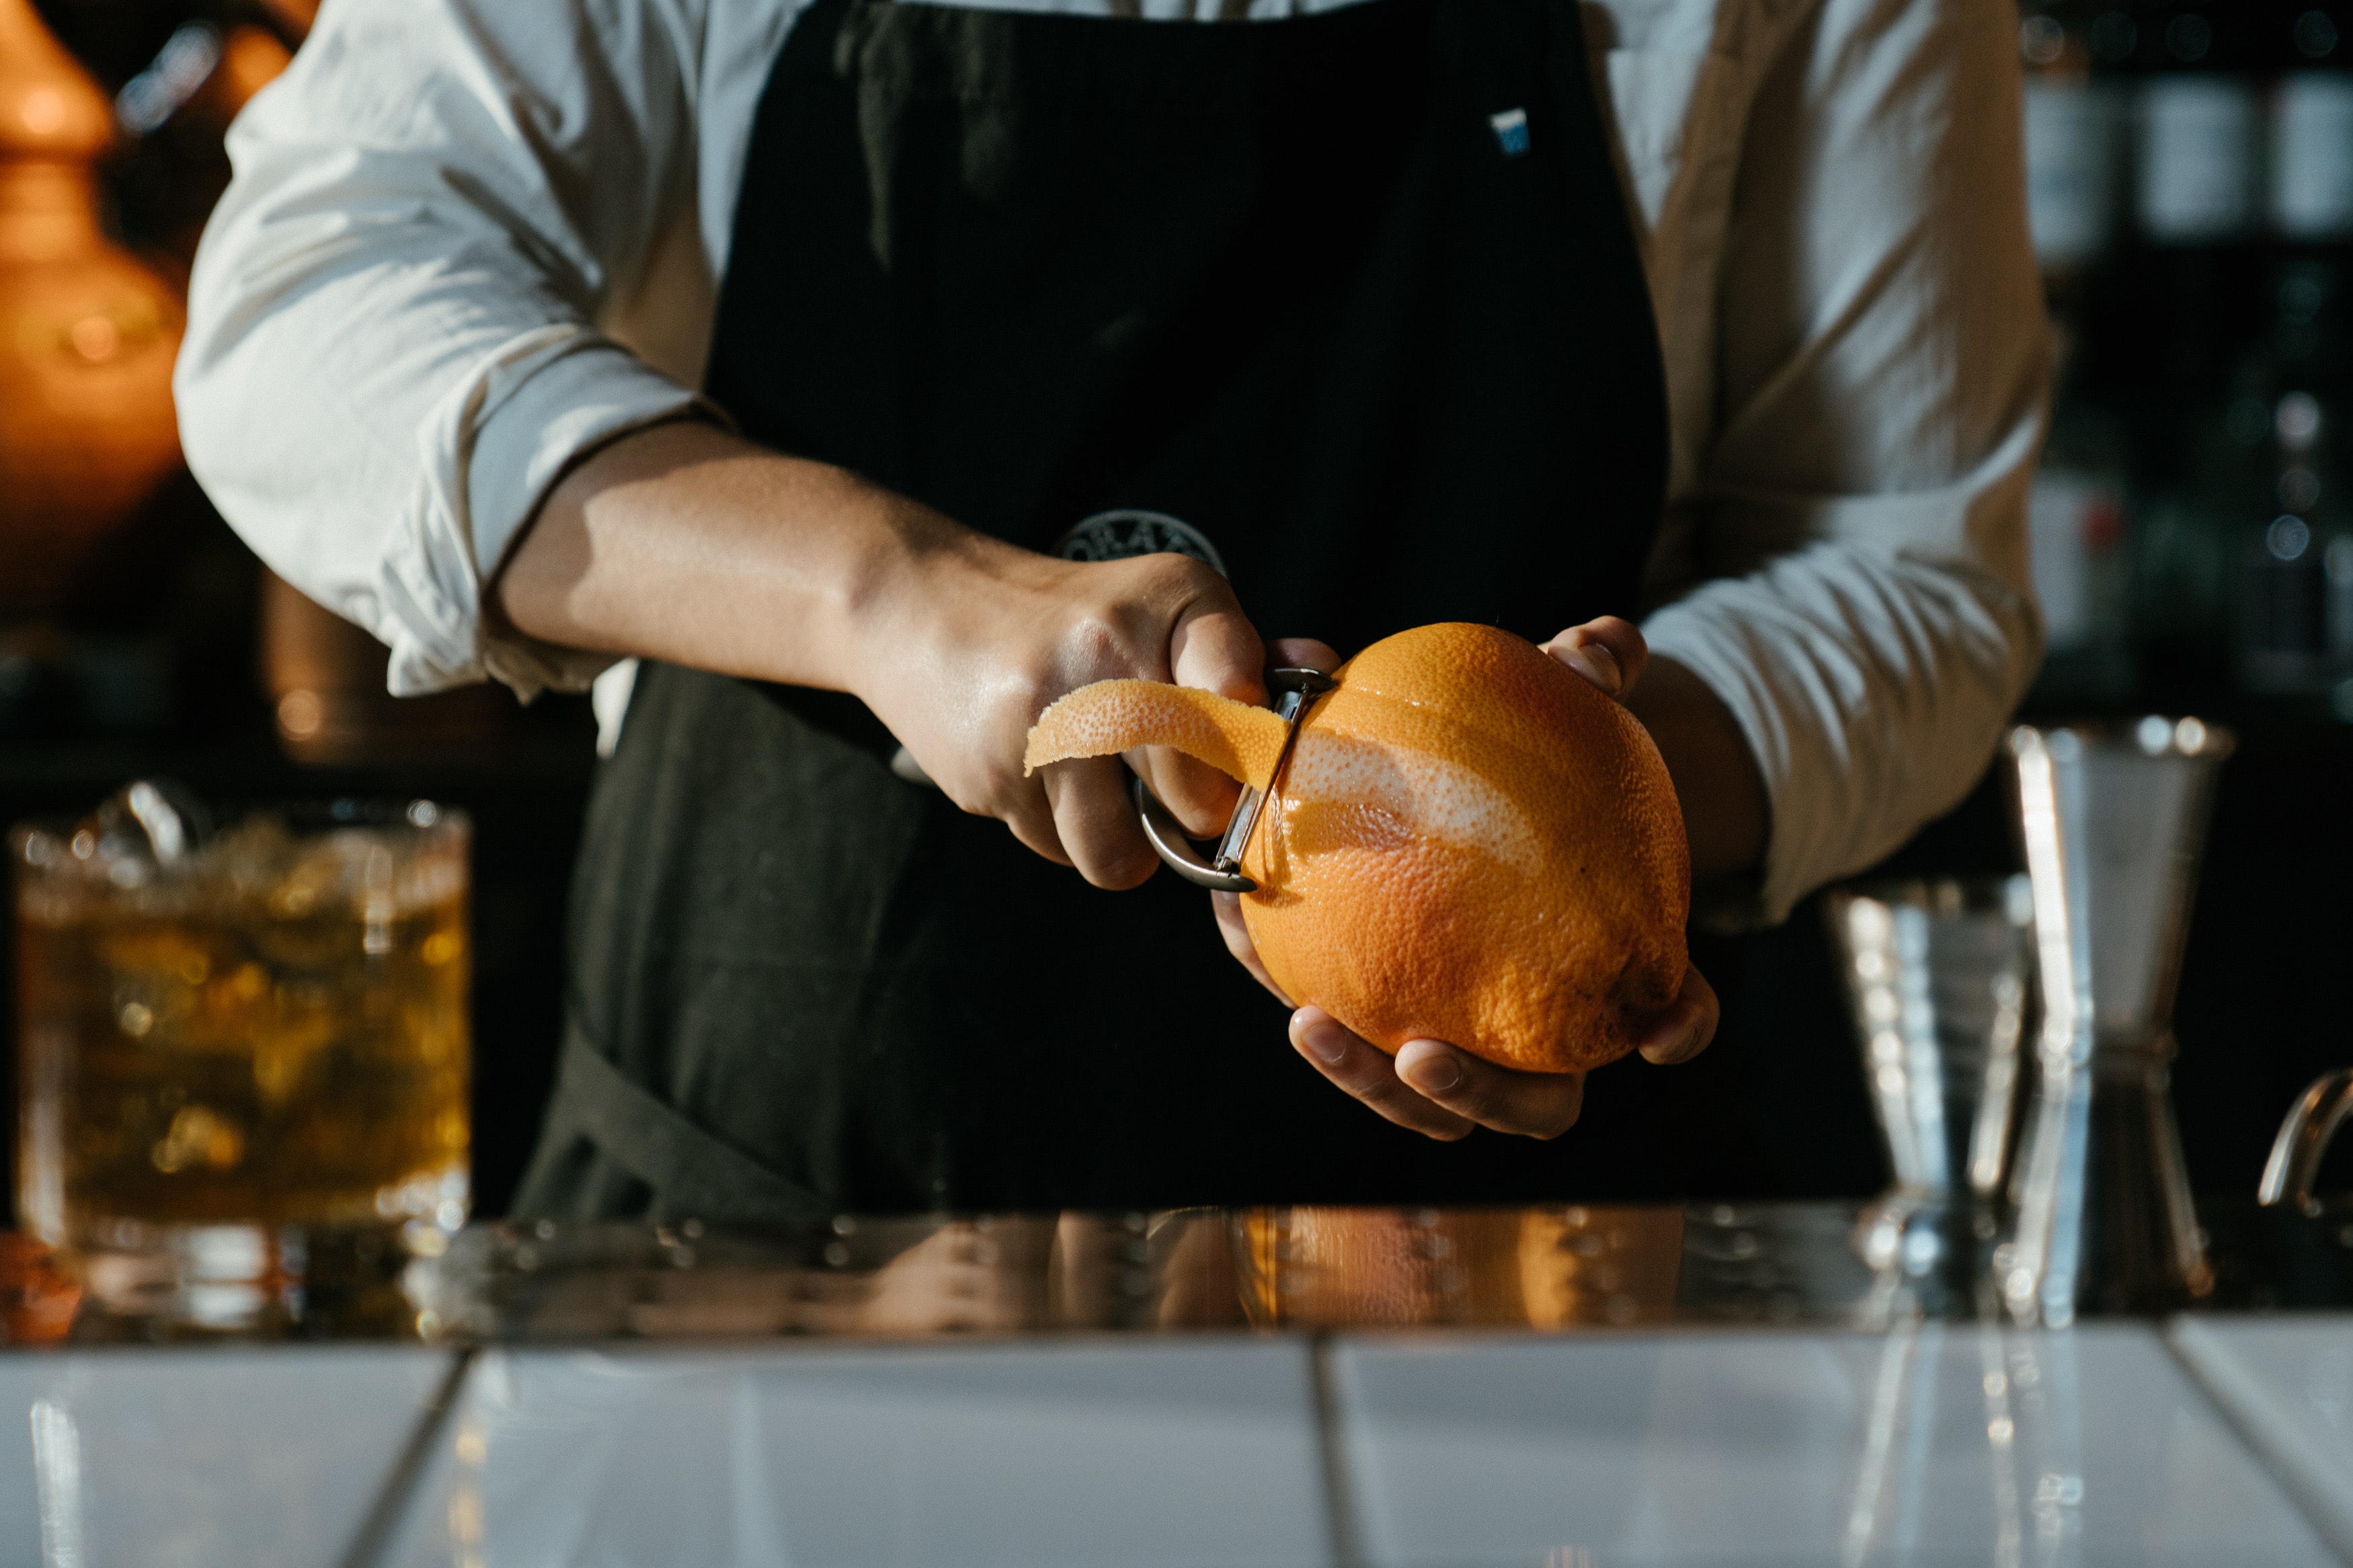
(686,543)
(1726,813)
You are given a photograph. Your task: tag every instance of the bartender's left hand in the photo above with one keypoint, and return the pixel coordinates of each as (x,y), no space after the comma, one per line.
(1434,1087)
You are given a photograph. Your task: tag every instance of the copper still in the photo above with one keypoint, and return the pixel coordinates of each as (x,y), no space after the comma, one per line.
(87,335)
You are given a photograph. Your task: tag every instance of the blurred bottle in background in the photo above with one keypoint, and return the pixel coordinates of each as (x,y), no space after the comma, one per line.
(2190,176)
(2296,557)
(2199,112)
(2292,531)
(2311,184)
(2073,135)
(2076,120)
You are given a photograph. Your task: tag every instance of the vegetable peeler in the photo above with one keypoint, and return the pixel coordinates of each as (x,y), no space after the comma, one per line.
(1293,689)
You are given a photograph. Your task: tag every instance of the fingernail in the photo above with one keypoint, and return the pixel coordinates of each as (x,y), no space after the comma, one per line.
(1682,1048)
(1325,1040)
(1599,665)
(1434,1073)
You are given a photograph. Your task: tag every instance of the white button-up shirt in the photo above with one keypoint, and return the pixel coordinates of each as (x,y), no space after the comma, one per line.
(470,239)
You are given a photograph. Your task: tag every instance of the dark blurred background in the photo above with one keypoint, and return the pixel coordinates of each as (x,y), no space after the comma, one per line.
(2191,179)
(163,647)
(2190,185)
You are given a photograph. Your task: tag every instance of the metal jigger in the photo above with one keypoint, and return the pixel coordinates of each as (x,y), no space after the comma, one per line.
(2114,820)
(1937,974)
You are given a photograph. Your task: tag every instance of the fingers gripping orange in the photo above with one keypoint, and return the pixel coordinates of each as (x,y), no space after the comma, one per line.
(1468,843)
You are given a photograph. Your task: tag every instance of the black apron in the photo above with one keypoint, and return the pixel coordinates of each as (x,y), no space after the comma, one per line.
(1351,297)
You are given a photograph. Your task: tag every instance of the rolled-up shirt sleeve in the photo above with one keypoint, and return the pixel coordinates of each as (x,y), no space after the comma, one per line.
(1858,518)
(398,318)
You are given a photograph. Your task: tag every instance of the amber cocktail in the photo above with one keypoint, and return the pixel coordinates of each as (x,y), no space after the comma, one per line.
(228,1050)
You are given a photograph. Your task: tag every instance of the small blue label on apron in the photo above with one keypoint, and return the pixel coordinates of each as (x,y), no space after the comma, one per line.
(1511,129)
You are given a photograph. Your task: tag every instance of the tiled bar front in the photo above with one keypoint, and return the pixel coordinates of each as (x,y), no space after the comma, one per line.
(268,1456)
(1021,1455)
(2206,1440)
(1932,1445)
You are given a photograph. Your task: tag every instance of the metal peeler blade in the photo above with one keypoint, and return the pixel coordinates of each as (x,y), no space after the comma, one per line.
(1293,689)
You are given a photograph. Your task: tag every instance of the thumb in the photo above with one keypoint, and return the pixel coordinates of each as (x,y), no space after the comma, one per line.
(1609,651)
(1302,653)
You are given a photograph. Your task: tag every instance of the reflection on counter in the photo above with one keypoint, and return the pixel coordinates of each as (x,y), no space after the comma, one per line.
(39,1297)
(1536,1267)
(1264,1268)
(1559,1268)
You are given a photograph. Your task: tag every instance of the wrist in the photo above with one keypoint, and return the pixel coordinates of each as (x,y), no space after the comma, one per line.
(1726,814)
(912,579)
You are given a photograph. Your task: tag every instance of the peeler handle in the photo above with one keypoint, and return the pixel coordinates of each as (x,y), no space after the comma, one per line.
(1176,851)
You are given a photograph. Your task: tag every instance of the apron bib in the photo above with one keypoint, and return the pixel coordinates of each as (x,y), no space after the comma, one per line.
(1348,304)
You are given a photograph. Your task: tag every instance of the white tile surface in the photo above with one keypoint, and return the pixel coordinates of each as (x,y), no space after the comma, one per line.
(1944,1445)
(2287,1384)
(1030,1456)
(243,1459)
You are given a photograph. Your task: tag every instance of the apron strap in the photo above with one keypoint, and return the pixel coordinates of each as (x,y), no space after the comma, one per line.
(691,1170)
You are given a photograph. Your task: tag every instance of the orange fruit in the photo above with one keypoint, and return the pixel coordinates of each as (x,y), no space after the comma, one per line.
(1468,843)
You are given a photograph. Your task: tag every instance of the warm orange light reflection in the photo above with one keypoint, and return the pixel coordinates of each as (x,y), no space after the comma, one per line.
(1544,1268)
(86,429)
(38,1297)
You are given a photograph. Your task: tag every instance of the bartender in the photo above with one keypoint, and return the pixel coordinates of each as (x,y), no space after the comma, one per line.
(836,384)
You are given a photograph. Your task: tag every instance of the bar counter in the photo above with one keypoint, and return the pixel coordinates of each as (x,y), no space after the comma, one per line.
(1566,1387)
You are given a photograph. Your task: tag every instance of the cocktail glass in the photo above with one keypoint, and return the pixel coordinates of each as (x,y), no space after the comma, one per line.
(243,1055)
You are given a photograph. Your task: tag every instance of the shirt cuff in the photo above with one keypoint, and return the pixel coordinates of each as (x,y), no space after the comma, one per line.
(1871,690)
(491,450)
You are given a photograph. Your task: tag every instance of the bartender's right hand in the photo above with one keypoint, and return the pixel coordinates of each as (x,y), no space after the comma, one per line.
(683,541)
(979,646)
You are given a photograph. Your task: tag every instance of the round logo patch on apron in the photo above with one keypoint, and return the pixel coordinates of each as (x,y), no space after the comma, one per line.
(1116,535)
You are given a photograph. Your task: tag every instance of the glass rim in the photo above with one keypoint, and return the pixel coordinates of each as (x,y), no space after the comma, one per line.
(2150,735)
(1993,887)
(307,819)
(2008,898)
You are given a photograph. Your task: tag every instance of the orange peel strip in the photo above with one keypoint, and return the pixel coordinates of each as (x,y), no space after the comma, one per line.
(1113,716)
